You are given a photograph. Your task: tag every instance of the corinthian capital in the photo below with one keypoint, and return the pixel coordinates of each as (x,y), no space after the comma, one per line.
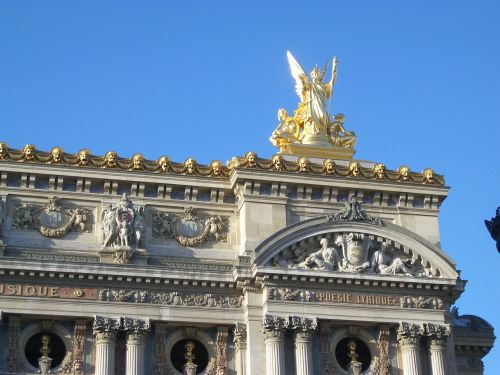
(301,323)
(106,325)
(275,322)
(136,326)
(407,330)
(438,331)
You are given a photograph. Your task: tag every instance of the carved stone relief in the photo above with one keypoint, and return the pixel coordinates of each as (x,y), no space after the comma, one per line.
(170,298)
(160,335)
(353,212)
(52,220)
(13,334)
(190,229)
(352,253)
(122,227)
(422,302)
(220,367)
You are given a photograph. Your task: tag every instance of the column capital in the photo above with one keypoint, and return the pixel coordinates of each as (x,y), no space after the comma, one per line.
(240,336)
(437,331)
(410,330)
(105,327)
(274,335)
(136,328)
(275,322)
(300,323)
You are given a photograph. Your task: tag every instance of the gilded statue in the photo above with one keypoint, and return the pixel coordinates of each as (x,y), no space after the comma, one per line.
(404,173)
(164,163)
(428,176)
(329,166)
(110,160)
(311,131)
(379,171)
(190,166)
(137,162)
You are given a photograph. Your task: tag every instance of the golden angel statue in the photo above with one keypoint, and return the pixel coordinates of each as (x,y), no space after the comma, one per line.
(311,131)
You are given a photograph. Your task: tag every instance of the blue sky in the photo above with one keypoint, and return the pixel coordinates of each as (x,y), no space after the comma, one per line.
(419,82)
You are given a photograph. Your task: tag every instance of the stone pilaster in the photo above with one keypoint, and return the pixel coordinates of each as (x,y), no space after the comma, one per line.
(274,330)
(304,328)
(136,331)
(437,342)
(160,335)
(240,347)
(409,335)
(79,336)
(13,334)
(105,329)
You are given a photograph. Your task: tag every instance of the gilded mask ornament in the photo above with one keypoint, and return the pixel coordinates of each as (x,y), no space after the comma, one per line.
(304,164)
(216,168)
(164,163)
(190,165)
(84,157)
(3,150)
(404,173)
(277,161)
(379,170)
(251,158)
(428,176)
(56,155)
(29,152)
(137,161)
(329,166)
(354,169)
(110,159)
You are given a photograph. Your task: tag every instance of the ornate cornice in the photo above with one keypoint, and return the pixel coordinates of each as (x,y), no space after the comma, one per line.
(215,169)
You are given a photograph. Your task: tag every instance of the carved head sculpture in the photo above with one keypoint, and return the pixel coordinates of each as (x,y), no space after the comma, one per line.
(251,158)
(111,159)
(379,170)
(189,352)
(277,161)
(190,165)
(216,168)
(354,169)
(404,173)
(323,242)
(282,114)
(304,164)
(339,118)
(137,161)
(29,152)
(83,157)
(329,166)
(3,150)
(56,154)
(164,163)
(428,176)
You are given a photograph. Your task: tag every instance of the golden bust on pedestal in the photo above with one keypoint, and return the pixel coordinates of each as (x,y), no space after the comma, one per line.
(311,131)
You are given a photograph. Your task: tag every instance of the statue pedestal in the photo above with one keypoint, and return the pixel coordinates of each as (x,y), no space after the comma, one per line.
(320,150)
(355,368)
(44,364)
(190,369)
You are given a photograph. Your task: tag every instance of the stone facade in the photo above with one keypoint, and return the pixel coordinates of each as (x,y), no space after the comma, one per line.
(288,270)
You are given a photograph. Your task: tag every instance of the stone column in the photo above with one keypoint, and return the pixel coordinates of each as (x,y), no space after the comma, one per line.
(304,328)
(437,337)
(409,335)
(240,347)
(105,329)
(136,330)
(274,330)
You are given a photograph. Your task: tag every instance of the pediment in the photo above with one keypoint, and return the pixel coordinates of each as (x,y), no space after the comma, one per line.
(357,247)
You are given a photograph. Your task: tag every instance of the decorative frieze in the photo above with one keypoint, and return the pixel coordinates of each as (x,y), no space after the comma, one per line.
(288,294)
(170,298)
(190,229)
(52,220)
(420,302)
